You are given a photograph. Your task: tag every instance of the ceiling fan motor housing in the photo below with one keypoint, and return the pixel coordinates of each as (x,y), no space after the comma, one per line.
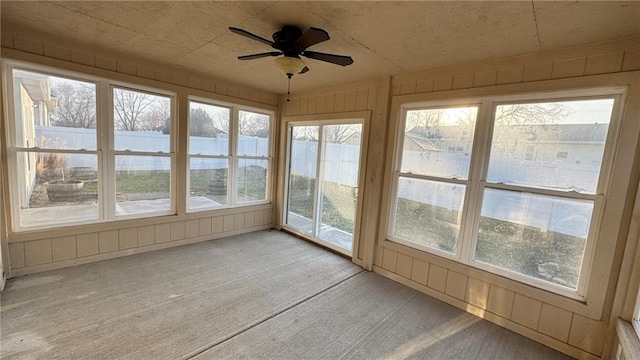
(285,40)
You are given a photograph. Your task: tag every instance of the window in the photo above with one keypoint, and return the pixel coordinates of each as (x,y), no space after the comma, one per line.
(54,138)
(253,157)
(431,189)
(514,206)
(208,155)
(229,156)
(142,149)
(70,164)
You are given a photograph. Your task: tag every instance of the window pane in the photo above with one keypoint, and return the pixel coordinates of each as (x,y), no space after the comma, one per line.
(208,180)
(143,184)
(341,158)
(57,188)
(252,180)
(53,112)
(253,134)
(339,185)
(556,145)
(535,235)
(302,177)
(437,142)
(142,121)
(208,129)
(429,213)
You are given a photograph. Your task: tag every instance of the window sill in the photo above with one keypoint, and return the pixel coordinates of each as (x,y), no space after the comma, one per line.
(628,340)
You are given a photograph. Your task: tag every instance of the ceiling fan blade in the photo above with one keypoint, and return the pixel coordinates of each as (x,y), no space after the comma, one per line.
(311,37)
(304,70)
(331,58)
(261,55)
(245,33)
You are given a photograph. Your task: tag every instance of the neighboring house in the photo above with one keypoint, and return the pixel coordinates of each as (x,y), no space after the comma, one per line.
(33,104)
(519,152)
(415,142)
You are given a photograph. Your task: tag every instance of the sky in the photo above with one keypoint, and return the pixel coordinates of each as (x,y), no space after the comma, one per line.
(580,112)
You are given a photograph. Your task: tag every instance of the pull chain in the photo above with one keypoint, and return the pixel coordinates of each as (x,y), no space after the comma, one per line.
(289,87)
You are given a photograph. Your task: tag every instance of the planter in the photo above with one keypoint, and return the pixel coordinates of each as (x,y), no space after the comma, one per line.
(218,185)
(84,173)
(69,190)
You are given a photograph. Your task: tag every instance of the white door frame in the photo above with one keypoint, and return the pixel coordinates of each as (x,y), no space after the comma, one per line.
(360,117)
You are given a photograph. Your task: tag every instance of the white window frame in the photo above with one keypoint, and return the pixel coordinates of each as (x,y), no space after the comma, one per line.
(112,153)
(635,321)
(321,123)
(477,179)
(232,156)
(236,157)
(399,174)
(104,144)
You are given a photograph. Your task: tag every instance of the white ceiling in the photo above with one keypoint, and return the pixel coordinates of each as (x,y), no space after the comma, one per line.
(384,38)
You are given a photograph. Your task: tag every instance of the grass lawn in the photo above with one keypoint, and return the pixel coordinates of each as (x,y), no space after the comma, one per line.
(143,182)
(338,205)
(251,186)
(548,255)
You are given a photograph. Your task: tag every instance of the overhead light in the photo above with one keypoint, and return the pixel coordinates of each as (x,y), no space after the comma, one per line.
(290,65)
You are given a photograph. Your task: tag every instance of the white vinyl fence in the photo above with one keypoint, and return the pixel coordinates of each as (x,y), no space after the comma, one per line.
(341,167)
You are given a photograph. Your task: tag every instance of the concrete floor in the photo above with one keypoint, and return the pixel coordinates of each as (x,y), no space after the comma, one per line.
(261,295)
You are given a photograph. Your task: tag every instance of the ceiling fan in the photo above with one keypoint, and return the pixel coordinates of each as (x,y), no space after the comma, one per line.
(291,42)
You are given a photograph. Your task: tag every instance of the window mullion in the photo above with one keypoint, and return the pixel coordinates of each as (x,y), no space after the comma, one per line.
(477,171)
(589,250)
(397,165)
(319,176)
(106,162)
(234,132)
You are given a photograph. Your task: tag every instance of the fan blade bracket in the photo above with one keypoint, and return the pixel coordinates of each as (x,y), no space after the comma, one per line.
(258,56)
(249,35)
(304,70)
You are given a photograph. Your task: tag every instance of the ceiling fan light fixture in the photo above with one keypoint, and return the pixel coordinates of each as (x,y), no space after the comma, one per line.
(290,65)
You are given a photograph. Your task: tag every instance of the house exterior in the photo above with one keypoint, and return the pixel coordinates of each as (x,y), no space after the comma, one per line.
(33,105)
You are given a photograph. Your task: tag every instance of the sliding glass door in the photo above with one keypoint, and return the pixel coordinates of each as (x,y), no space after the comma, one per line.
(322,184)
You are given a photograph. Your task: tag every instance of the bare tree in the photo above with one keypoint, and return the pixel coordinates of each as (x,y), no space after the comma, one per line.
(338,134)
(76,105)
(424,122)
(518,125)
(128,107)
(423,118)
(157,116)
(531,114)
(468,119)
(252,124)
(220,120)
(308,133)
